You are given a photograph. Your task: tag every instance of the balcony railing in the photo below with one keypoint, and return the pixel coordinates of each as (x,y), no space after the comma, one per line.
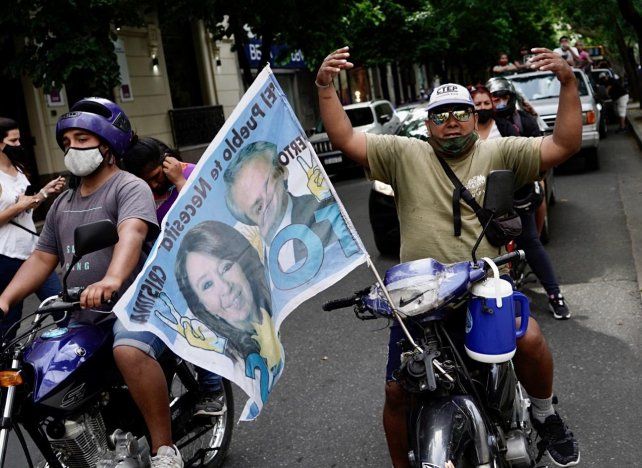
(193,126)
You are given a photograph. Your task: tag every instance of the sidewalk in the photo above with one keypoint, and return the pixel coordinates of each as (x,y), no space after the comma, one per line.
(634,117)
(631,188)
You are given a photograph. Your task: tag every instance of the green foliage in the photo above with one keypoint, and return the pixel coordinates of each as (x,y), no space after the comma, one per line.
(470,34)
(67,41)
(599,22)
(70,41)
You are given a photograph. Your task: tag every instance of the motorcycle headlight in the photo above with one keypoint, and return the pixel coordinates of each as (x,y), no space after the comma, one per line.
(10,378)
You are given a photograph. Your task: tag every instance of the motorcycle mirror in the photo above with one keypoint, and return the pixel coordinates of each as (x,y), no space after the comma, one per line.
(88,238)
(498,199)
(95,236)
(499,192)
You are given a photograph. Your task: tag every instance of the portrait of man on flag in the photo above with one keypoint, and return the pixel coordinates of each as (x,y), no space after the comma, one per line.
(292,228)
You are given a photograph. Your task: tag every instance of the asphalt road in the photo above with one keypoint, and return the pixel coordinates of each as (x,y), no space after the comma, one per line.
(326,409)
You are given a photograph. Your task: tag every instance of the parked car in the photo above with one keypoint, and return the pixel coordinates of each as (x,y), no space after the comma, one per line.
(542,90)
(415,124)
(405,111)
(370,117)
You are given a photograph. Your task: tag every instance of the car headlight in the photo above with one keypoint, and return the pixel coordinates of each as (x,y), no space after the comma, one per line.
(383,188)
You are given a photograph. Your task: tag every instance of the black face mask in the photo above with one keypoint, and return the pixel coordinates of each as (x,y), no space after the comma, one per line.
(14,152)
(484,115)
(453,147)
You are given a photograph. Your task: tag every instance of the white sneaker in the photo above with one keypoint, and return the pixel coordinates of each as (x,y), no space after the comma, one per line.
(167,457)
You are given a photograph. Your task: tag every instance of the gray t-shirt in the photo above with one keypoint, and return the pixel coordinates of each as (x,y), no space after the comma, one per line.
(121,197)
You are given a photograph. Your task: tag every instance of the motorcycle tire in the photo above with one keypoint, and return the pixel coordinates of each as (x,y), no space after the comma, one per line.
(213,435)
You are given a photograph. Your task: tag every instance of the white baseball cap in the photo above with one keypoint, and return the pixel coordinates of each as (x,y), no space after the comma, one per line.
(449,93)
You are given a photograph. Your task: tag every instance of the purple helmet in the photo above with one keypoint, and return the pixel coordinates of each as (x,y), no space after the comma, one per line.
(101,117)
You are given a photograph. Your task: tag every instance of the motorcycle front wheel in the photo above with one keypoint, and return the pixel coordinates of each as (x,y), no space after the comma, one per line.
(203,442)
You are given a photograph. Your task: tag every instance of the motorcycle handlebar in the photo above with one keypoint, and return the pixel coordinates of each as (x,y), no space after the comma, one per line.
(508,257)
(340,303)
(73,304)
(353,300)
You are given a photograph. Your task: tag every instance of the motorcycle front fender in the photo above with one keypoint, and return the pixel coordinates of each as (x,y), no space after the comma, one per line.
(500,392)
(444,429)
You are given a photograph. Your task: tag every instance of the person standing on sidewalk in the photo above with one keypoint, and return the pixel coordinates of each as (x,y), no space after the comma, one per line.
(618,95)
(17,230)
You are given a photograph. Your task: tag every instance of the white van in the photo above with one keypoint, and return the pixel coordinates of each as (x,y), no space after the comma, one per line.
(370,117)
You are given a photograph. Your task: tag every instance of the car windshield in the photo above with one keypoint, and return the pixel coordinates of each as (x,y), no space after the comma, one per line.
(595,74)
(360,116)
(404,112)
(544,86)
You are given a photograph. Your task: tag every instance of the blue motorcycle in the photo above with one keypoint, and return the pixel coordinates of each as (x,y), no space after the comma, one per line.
(60,383)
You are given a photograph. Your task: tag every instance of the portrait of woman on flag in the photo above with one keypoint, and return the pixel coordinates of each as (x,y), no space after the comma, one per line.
(223,281)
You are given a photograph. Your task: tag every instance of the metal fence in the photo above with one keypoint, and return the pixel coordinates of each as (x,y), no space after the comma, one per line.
(195,125)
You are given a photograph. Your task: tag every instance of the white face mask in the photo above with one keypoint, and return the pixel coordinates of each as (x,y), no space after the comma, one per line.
(82,162)
(502,104)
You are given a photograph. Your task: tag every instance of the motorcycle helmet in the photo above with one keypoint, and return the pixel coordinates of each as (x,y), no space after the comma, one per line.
(101,117)
(500,87)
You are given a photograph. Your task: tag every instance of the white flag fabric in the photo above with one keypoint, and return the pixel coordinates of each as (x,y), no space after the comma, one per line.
(257,230)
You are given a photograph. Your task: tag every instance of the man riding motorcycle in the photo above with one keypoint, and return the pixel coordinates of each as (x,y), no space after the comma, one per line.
(93,135)
(424,197)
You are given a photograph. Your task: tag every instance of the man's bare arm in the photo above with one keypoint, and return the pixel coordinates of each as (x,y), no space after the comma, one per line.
(336,122)
(31,275)
(567,133)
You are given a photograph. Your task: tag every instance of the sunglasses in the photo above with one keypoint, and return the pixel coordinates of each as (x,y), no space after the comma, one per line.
(440,118)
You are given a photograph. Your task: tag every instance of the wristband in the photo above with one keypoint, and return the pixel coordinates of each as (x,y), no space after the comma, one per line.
(322,86)
(43,193)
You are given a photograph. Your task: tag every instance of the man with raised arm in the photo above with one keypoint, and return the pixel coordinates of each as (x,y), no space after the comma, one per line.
(423,194)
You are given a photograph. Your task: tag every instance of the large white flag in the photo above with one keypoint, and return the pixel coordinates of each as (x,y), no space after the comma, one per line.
(257,230)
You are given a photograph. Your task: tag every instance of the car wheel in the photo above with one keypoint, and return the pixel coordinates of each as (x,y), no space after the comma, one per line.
(604,130)
(549,188)
(551,197)
(384,222)
(387,242)
(592,160)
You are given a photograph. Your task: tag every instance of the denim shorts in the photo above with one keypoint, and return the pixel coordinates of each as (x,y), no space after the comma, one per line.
(147,342)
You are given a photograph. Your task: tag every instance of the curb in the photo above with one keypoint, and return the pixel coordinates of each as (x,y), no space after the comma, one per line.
(633,117)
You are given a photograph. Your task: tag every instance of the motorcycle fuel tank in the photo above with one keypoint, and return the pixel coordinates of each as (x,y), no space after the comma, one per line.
(67,364)
(425,285)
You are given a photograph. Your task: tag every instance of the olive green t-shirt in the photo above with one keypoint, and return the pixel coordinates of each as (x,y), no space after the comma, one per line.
(424,193)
